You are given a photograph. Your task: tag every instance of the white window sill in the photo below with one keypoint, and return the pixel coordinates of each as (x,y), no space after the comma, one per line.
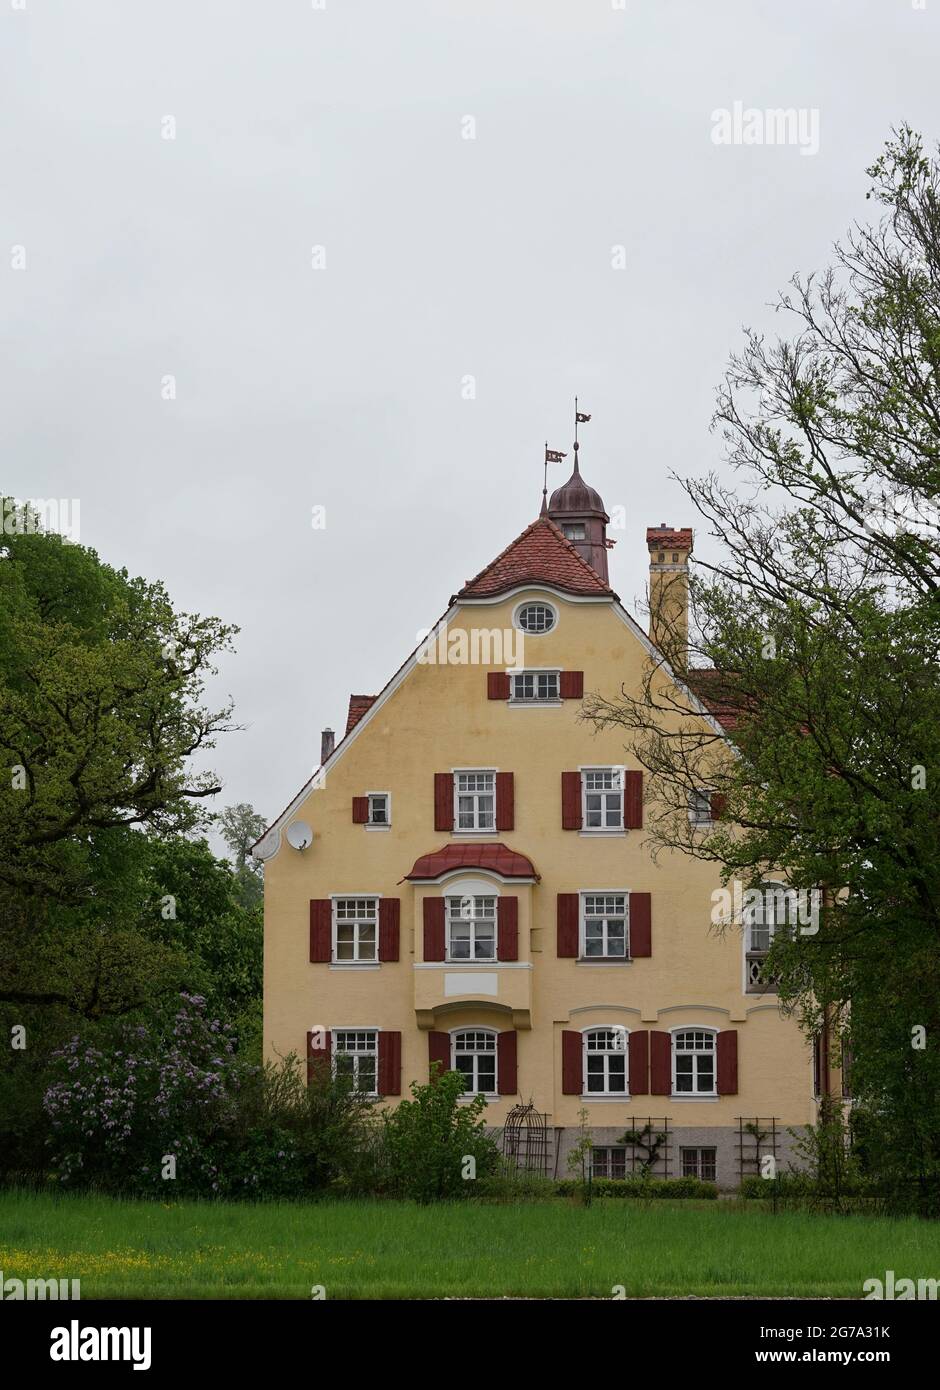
(535,704)
(479,834)
(355,965)
(468,1096)
(475,964)
(386,826)
(605,1099)
(604,960)
(695,1099)
(601,834)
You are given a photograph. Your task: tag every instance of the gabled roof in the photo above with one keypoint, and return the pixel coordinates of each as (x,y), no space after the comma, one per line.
(498,859)
(541,555)
(358,706)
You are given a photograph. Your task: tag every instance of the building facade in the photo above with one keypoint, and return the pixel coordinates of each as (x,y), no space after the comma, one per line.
(464,881)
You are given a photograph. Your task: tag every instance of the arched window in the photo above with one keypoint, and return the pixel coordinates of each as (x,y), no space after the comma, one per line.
(605,1061)
(474,1056)
(693,1062)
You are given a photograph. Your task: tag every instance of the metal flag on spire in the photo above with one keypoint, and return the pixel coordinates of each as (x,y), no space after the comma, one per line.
(551,456)
(579,419)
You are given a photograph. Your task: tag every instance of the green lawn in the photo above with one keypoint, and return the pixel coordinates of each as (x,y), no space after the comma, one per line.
(398,1250)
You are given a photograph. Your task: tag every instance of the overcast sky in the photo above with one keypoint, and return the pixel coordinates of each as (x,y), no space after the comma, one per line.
(343,125)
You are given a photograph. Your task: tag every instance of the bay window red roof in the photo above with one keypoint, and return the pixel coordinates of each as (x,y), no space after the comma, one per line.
(498,859)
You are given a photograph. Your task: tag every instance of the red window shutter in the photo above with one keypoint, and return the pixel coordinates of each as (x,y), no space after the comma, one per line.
(571,685)
(638,1061)
(444,801)
(571,801)
(572,1080)
(360,810)
(568,911)
(506,1063)
(389,930)
(660,1064)
(318,1052)
(389,1077)
(641,925)
(727,1062)
(507,929)
(497,685)
(439,1051)
(633,801)
(719,804)
(505,801)
(321,929)
(434,929)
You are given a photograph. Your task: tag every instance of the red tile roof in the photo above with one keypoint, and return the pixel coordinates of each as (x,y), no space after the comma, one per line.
(499,859)
(541,555)
(358,705)
(717,695)
(669,535)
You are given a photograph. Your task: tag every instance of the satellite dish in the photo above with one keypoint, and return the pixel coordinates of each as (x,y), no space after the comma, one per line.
(299,835)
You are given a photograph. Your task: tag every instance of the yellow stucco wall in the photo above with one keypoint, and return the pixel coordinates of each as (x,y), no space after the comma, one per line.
(437,719)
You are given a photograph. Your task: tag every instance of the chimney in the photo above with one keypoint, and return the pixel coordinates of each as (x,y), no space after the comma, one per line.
(327,742)
(669,550)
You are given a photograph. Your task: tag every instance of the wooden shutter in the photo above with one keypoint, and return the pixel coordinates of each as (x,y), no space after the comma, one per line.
(641,925)
(571,685)
(439,1051)
(434,929)
(318,1053)
(505,801)
(507,927)
(571,801)
(506,1063)
(389,929)
(360,810)
(389,1076)
(321,930)
(639,1060)
(572,1068)
(727,1062)
(660,1064)
(568,912)
(444,801)
(718,805)
(633,801)
(497,685)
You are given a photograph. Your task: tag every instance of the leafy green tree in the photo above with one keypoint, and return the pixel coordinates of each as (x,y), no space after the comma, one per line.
(816,637)
(436,1144)
(100,712)
(241,826)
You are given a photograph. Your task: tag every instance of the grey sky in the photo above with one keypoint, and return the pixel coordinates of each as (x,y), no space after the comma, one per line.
(445,258)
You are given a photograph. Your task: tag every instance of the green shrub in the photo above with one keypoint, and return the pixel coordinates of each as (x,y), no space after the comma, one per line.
(435,1145)
(656,1188)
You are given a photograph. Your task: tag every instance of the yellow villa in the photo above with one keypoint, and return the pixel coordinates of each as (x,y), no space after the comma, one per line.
(464,881)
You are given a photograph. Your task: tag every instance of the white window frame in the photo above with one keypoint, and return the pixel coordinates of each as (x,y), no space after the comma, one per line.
(582,942)
(356,959)
(472,959)
(618,772)
(771,929)
(621,1051)
(534,603)
(484,1052)
(694,817)
(535,672)
(356,1054)
(694,1094)
(380,824)
(476,828)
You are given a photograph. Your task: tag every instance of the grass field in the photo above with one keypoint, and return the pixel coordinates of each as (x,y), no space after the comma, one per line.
(397,1250)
